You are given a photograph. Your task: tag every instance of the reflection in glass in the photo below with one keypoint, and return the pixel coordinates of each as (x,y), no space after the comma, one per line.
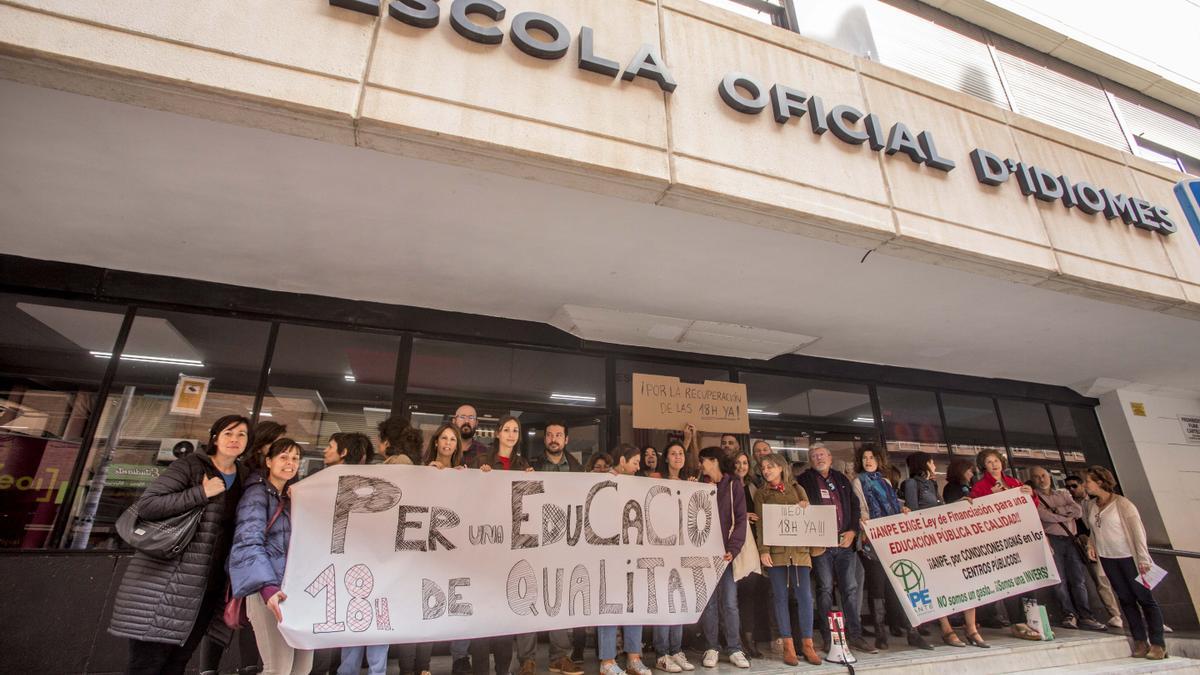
(1080,437)
(141,431)
(326,381)
(911,423)
(1031,439)
(461,369)
(48,383)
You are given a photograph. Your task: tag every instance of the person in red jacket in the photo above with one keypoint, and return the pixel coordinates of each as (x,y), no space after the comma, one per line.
(992,464)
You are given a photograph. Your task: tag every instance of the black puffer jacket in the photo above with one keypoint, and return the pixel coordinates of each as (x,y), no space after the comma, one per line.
(159,600)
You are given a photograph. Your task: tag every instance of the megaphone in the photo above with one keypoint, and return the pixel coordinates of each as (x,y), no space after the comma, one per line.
(839,652)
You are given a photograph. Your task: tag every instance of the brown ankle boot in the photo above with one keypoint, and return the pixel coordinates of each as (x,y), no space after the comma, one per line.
(810,654)
(1140,649)
(1156,653)
(789,652)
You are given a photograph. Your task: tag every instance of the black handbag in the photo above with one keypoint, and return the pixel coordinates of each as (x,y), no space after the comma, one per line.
(163,539)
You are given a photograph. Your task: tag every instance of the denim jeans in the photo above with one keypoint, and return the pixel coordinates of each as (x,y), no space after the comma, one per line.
(560,645)
(668,640)
(723,600)
(606,641)
(839,563)
(352,660)
(1072,590)
(1136,600)
(781,577)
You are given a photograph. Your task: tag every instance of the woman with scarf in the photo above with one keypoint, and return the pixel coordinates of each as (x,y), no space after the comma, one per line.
(876,491)
(788,567)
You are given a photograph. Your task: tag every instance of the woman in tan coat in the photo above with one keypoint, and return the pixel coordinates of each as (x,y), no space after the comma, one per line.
(787,565)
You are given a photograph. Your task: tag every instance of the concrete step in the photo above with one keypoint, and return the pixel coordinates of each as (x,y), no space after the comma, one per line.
(1129,666)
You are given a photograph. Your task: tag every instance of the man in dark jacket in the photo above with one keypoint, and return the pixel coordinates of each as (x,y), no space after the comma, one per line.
(830,488)
(555,458)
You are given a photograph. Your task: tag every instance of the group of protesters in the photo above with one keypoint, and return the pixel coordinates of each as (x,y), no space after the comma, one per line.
(171,608)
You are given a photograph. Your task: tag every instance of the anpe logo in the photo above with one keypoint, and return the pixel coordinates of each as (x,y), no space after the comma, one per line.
(910,576)
(1188,192)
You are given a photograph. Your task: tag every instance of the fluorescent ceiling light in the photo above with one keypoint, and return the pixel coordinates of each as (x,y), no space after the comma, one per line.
(582,398)
(151,359)
(386,411)
(531,433)
(756,411)
(865,420)
(350,377)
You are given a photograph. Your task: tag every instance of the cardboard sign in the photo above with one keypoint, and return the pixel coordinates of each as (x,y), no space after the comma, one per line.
(663,402)
(385,554)
(945,559)
(1191,428)
(791,525)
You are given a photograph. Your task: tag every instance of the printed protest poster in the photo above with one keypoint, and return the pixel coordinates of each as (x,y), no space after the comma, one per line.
(949,558)
(662,402)
(793,525)
(385,554)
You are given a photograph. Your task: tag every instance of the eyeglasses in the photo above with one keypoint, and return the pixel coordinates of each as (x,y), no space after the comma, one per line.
(468,418)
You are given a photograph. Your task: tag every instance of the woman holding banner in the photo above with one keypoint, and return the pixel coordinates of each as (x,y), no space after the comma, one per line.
(731,512)
(920,492)
(259,555)
(505,455)
(445,449)
(668,640)
(752,587)
(993,463)
(628,460)
(876,491)
(1119,541)
(787,566)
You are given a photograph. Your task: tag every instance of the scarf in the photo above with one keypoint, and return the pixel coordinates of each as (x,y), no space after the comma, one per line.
(881,498)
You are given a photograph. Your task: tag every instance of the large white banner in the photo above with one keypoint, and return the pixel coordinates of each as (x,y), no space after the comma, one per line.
(949,558)
(391,554)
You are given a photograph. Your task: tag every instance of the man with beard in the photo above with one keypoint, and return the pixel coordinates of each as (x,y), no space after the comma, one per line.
(467,421)
(759,449)
(730,444)
(556,458)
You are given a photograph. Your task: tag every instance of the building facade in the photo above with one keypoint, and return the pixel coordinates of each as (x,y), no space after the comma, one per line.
(913,231)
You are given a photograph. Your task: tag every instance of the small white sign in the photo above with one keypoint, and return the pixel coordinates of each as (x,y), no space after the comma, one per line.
(790,525)
(1191,428)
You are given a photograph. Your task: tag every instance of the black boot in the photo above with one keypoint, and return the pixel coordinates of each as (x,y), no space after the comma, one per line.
(750,646)
(915,640)
(877,620)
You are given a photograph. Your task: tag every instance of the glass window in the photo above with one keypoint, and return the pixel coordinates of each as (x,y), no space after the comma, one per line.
(971,424)
(911,423)
(1080,438)
(326,381)
(143,428)
(807,401)
(1030,439)
(51,363)
(505,374)
(659,437)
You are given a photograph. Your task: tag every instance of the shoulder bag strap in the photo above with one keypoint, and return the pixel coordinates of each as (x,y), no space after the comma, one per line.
(275,516)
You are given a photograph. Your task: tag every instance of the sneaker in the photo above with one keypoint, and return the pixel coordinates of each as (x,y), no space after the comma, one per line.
(710,658)
(461,666)
(680,660)
(636,667)
(1116,622)
(1092,624)
(667,665)
(739,659)
(1069,621)
(612,669)
(565,666)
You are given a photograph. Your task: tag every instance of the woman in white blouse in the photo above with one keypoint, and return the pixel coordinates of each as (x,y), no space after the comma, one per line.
(1119,541)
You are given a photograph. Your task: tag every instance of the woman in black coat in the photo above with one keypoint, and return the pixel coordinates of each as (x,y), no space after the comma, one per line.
(165,607)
